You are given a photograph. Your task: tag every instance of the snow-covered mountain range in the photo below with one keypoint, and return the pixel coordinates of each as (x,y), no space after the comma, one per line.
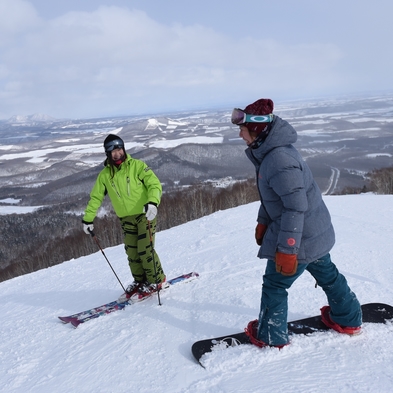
(47,161)
(30,120)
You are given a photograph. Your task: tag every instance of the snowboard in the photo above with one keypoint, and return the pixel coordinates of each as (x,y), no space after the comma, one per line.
(372,312)
(84,316)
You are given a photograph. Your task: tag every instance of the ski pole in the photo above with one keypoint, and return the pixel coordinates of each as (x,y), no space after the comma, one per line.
(98,244)
(154,262)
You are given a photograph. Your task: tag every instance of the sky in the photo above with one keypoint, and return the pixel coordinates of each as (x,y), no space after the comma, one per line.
(98,58)
(147,348)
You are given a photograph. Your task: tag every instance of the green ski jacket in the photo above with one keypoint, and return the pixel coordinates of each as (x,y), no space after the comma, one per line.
(133,185)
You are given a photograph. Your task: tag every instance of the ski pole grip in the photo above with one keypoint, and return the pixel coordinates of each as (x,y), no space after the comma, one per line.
(91,232)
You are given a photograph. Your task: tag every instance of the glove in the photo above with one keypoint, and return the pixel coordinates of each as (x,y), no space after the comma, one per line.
(151,211)
(88,227)
(260,230)
(286,264)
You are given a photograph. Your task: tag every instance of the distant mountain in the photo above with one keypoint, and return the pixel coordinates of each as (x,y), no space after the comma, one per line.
(46,160)
(37,117)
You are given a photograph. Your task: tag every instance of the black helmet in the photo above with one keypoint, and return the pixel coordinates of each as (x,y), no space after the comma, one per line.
(111,142)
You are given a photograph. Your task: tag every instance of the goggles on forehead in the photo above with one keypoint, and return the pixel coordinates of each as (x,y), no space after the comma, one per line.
(240,117)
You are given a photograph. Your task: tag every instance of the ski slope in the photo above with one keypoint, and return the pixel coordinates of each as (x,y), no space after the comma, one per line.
(146,347)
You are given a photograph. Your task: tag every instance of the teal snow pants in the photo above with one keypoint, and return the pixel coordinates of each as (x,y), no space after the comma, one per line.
(272,326)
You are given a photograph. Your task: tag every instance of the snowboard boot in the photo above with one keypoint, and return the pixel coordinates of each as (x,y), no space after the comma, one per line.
(325,316)
(251,331)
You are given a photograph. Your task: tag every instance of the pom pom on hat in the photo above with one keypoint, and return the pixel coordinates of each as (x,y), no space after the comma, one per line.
(263,106)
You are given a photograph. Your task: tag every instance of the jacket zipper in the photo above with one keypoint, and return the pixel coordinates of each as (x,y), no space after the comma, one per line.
(128,186)
(260,194)
(114,187)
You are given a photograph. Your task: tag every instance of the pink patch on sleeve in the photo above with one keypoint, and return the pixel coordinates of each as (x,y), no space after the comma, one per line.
(291,241)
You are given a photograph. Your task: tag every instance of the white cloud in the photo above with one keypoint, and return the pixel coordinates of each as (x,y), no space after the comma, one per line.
(117,60)
(16,16)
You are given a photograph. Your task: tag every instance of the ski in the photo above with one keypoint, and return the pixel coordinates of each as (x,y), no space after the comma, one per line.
(372,313)
(87,315)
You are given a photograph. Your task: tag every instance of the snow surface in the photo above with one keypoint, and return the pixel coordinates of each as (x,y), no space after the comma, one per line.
(147,347)
(166,144)
(5,209)
(11,201)
(10,206)
(82,152)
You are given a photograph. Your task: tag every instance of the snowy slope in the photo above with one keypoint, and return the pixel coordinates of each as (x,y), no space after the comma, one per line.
(146,347)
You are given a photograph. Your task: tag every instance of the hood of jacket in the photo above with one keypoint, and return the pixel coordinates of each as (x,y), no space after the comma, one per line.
(281,134)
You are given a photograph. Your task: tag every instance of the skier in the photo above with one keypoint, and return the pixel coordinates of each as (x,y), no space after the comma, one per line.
(135,192)
(294,229)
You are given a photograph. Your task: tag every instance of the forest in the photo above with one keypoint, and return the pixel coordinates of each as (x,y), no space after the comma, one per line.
(52,235)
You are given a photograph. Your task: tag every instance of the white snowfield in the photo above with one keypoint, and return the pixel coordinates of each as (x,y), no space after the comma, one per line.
(147,347)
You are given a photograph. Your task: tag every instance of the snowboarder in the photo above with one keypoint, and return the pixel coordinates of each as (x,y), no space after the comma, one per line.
(135,193)
(294,228)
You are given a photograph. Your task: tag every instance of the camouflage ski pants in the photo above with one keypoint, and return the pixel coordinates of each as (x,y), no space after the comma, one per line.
(140,251)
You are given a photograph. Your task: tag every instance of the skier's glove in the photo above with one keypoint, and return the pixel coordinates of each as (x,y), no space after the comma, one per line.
(286,264)
(88,227)
(260,230)
(151,211)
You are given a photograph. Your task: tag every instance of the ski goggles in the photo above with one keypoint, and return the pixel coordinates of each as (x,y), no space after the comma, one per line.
(112,145)
(240,117)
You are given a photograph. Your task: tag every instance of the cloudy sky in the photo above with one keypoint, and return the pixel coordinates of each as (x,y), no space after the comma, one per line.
(96,58)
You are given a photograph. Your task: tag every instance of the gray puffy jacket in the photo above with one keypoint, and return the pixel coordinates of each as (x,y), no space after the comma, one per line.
(298,220)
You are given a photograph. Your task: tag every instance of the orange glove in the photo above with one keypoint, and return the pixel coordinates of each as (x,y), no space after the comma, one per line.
(260,233)
(286,264)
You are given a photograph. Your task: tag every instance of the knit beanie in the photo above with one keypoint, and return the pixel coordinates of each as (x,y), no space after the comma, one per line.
(263,106)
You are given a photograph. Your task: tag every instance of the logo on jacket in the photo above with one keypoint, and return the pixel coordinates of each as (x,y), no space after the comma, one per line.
(291,241)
